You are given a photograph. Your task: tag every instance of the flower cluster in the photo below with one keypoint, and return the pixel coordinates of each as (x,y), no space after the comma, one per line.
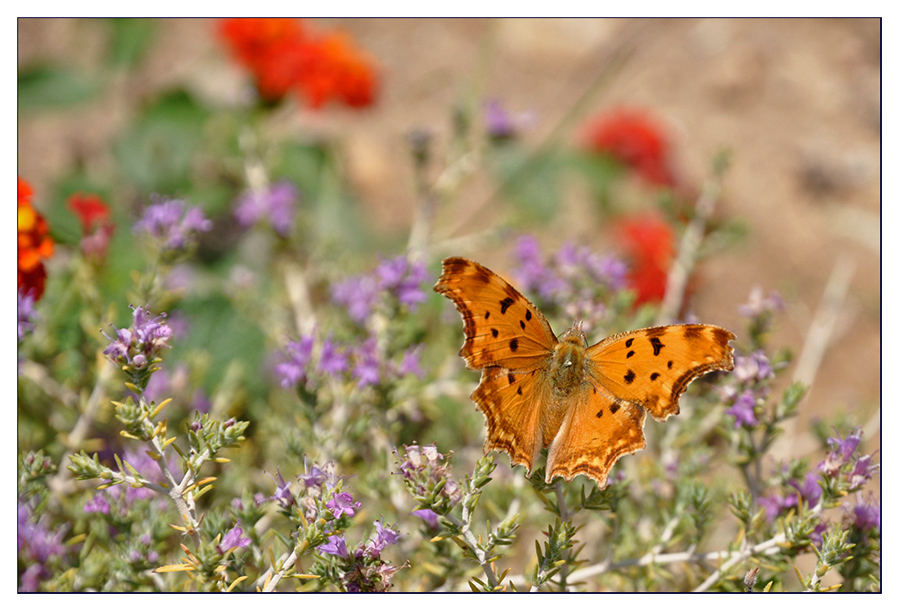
(395,282)
(577,279)
(308,362)
(275,203)
(427,477)
(285,56)
(839,459)
(172,224)
(136,348)
(96,225)
(648,243)
(38,547)
(748,387)
(636,139)
(35,245)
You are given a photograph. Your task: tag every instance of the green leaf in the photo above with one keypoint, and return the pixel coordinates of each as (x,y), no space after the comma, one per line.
(130,40)
(157,152)
(42,87)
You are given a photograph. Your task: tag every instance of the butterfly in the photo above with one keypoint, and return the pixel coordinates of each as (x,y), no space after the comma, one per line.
(586,403)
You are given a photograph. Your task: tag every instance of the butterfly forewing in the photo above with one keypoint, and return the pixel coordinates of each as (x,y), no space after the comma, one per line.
(652,367)
(502,328)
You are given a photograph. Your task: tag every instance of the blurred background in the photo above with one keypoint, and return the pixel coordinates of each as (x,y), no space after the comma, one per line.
(795,102)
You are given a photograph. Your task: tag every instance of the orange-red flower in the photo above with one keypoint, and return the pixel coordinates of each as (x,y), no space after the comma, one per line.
(649,244)
(96,225)
(636,139)
(284,57)
(35,245)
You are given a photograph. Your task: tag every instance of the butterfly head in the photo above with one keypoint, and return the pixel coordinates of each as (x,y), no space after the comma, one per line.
(574,335)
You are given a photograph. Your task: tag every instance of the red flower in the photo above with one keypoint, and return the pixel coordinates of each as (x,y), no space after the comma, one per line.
(284,57)
(96,225)
(649,243)
(35,245)
(633,137)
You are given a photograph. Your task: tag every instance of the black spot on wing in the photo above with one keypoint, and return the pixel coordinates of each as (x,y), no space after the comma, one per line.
(613,408)
(599,414)
(527,315)
(657,346)
(654,376)
(629,342)
(629,377)
(514,345)
(511,378)
(494,332)
(505,303)
(522,324)
(629,355)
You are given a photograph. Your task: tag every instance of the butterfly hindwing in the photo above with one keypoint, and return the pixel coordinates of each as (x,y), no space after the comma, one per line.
(502,327)
(652,367)
(512,405)
(595,432)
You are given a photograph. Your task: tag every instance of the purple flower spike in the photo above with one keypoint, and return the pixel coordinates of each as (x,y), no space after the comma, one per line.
(429,516)
(172,224)
(384,536)
(277,203)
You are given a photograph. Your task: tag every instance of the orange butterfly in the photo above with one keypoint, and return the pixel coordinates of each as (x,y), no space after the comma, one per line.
(587,403)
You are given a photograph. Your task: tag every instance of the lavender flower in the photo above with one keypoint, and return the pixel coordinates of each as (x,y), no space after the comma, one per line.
(332,360)
(314,477)
(37,545)
(841,452)
(367,368)
(427,476)
(862,471)
(283,493)
(863,515)
(233,539)
(809,489)
(173,224)
(276,203)
(341,504)
(336,545)
(296,359)
(99,503)
(384,536)
(743,410)
(758,304)
(429,516)
(502,125)
(396,277)
(26,312)
(138,346)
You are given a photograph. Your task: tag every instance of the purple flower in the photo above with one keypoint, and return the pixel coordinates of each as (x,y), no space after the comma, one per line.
(384,536)
(27,314)
(758,304)
(98,503)
(332,360)
(398,277)
(297,356)
(358,295)
(429,516)
(276,203)
(171,223)
(864,515)
(283,493)
(233,539)
(336,546)
(752,368)
(315,477)
(862,471)
(500,124)
(36,545)
(842,449)
(409,364)
(139,345)
(809,489)
(367,364)
(342,503)
(742,410)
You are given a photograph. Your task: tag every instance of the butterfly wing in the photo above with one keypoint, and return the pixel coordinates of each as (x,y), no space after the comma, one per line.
(652,367)
(502,327)
(595,432)
(511,404)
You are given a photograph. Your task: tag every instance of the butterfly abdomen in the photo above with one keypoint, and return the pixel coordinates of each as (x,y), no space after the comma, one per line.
(567,366)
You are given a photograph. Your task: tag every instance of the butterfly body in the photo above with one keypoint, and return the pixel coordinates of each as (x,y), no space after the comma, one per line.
(586,403)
